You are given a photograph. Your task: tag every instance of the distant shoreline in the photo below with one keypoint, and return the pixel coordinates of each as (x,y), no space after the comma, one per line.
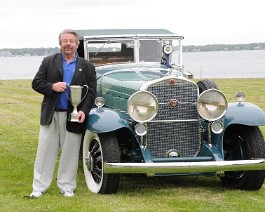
(224,47)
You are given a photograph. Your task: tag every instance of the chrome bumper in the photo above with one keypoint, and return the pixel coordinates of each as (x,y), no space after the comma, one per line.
(184,167)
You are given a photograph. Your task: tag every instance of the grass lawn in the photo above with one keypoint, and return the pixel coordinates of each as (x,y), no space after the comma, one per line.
(19,128)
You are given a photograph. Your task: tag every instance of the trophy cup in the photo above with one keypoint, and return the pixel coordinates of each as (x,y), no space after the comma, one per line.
(76,99)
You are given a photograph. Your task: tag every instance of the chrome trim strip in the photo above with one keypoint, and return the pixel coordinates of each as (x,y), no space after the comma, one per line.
(182,103)
(184,167)
(175,121)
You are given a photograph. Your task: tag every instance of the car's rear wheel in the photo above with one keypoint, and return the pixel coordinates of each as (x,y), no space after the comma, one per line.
(206,84)
(97,149)
(243,143)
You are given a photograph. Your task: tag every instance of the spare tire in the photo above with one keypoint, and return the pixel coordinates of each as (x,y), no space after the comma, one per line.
(206,84)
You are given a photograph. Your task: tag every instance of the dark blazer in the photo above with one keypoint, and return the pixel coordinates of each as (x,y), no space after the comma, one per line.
(51,71)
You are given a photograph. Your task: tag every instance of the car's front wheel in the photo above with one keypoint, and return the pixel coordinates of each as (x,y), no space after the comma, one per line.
(243,143)
(97,149)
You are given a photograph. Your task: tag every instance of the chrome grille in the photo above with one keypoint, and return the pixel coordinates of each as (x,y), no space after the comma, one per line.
(162,137)
(184,92)
(164,133)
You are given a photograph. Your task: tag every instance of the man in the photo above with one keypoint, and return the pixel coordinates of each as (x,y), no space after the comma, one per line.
(56,73)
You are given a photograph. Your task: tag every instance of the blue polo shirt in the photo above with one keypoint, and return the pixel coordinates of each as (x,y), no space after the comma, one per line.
(68,73)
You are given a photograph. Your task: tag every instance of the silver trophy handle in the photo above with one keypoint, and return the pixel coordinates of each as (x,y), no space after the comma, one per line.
(85,94)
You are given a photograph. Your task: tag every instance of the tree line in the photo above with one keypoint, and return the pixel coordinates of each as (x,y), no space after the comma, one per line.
(11,52)
(224,47)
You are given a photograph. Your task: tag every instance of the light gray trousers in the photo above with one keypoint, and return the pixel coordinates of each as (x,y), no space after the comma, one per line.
(51,138)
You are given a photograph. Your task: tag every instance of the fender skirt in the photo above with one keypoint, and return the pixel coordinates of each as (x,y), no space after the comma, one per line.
(105,120)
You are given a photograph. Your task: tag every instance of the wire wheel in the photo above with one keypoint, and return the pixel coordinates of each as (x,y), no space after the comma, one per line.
(97,149)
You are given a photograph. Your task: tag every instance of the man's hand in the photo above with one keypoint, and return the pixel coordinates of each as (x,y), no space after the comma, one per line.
(59,87)
(81,116)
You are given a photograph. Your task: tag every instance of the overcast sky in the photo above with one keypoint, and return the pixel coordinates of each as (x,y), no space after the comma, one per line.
(37,23)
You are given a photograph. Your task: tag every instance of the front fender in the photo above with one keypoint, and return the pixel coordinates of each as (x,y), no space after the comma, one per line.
(105,120)
(244,113)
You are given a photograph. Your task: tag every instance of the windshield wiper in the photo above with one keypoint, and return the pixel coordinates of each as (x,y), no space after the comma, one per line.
(102,47)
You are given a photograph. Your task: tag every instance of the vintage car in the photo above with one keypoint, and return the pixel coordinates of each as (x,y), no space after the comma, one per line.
(151,118)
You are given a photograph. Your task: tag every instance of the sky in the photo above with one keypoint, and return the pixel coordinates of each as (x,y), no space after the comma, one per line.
(37,23)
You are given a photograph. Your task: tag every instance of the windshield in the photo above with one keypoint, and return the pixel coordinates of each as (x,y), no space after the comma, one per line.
(150,50)
(103,52)
(109,51)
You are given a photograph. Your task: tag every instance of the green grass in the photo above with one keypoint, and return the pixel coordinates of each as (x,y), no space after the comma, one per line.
(19,127)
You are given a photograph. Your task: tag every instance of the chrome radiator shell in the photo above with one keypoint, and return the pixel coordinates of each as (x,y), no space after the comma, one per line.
(174,127)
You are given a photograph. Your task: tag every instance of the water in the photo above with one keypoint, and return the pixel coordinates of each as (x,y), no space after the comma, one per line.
(223,64)
(226,64)
(19,67)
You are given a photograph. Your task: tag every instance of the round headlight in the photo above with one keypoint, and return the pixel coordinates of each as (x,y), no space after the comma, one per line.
(142,106)
(217,127)
(99,101)
(168,49)
(211,104)
(140,129)
(240,96)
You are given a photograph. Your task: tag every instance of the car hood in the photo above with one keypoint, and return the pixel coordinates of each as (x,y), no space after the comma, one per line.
(130,76)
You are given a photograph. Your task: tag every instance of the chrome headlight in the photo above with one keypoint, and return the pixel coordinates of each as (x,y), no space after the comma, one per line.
(140,129)
(211,104)
(142,106)
(240,96)
(168,49)
(99,101)
(217,127)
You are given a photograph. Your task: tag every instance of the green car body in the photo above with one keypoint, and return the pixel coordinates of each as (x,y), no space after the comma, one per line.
(151,118)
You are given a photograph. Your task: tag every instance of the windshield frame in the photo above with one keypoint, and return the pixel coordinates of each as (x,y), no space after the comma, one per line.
(176,58)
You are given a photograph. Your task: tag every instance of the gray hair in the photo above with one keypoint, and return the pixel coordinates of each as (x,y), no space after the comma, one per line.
(69,31)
